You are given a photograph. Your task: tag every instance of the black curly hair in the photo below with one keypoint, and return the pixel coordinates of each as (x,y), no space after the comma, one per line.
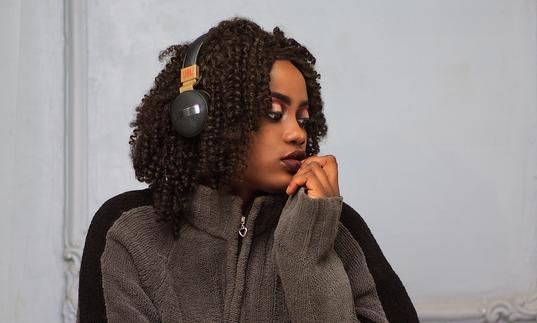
(235,62)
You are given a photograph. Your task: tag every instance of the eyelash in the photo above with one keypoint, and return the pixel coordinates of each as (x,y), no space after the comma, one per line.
(276,116)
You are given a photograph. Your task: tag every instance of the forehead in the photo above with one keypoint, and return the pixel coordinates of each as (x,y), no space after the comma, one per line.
(285,78)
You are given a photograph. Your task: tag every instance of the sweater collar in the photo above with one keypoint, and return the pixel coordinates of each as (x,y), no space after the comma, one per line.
(219,214)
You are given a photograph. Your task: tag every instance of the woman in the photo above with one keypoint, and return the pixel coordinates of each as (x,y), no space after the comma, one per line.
(243,221)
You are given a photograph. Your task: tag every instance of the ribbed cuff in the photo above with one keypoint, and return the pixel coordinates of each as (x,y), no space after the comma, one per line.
(308,227)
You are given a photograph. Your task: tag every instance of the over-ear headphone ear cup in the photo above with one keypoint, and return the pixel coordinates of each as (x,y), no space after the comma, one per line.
(205,95)
(189,112)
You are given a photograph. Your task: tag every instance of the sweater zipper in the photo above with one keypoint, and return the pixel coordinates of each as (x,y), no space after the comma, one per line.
(233,312)
(243,230)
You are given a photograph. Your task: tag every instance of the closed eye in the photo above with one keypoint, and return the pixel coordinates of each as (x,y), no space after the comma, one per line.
(277,116)
(277,113)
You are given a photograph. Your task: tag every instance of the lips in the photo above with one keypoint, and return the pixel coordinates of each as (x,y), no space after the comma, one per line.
(291,161)
(292,165)
(297,155)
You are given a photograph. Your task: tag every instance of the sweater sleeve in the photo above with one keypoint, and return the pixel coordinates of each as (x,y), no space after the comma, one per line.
(316,286)
(124,297)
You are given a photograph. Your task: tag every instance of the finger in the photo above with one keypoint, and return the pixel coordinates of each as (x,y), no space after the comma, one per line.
(303,169)
(297,181)
(318,171)
(314,187)
(322,177)
(311,182)
(329,164)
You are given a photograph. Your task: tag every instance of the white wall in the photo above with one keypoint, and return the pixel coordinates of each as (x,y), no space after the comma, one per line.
(31,163)
(432,111)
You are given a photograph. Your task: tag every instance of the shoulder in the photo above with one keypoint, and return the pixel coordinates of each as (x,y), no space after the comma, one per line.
(128,218)
(136,224)
(137,241)
(138,232)
(125,201)
(107,215)
(90,283)
(112,209)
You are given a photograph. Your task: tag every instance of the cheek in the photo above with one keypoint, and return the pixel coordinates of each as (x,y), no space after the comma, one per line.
(260,152)
(263,156)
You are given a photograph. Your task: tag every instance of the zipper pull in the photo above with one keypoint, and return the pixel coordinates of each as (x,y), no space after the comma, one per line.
(243,230)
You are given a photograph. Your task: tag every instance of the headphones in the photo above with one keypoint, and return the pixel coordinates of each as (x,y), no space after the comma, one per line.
(189,109)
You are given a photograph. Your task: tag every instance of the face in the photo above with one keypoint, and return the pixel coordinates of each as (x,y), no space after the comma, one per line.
(282,131)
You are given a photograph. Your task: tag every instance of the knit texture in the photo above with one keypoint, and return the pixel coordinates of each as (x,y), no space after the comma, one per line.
(91,306)
(316,283)
(297,262)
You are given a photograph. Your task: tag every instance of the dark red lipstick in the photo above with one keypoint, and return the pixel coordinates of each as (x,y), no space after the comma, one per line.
(292,160)
(297,154)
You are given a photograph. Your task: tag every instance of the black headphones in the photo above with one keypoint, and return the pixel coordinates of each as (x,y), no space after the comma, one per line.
(190,108)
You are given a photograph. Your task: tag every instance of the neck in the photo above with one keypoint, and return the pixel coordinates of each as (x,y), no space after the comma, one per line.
(218,212)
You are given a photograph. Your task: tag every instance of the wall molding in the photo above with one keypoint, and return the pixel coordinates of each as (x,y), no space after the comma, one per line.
(76,149)
(76,216)
(516,308)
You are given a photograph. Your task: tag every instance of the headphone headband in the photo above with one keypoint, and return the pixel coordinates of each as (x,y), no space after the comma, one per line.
(190,70)
(191,56)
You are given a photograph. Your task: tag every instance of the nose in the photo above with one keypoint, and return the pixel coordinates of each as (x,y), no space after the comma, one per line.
(294,134)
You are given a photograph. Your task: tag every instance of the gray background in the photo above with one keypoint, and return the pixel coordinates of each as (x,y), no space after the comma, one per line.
(432,113)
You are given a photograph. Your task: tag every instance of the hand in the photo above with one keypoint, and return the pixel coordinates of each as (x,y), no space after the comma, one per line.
(320,176)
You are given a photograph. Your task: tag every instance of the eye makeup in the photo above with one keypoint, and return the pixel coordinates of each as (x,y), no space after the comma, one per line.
(277,113)
(287,100)
(278,105)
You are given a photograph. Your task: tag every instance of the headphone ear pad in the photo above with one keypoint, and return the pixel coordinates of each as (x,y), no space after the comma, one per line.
(189,112)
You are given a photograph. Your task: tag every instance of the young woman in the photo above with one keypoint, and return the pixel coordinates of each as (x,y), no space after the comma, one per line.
(242,219)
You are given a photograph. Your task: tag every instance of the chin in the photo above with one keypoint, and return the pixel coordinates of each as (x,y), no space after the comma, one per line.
(278,184)
(275,182)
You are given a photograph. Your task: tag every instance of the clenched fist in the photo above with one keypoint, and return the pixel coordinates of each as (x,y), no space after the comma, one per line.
(319,175)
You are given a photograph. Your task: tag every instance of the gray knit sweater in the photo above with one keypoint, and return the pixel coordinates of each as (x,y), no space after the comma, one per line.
(296,262)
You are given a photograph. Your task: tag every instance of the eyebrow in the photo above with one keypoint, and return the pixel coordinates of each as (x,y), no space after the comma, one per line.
(287,100)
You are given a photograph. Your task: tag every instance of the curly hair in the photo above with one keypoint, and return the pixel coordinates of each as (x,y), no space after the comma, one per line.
(235,63)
